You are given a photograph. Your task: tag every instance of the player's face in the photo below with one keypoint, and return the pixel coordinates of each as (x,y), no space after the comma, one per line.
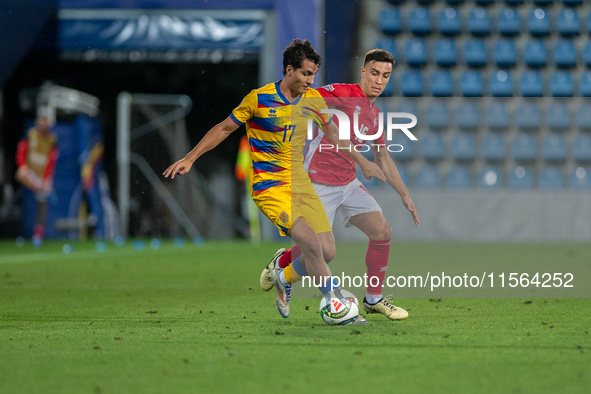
(374,77)
(302,78)
(42,124)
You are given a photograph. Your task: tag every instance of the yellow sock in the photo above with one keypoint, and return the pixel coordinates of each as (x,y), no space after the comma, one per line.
(287,274)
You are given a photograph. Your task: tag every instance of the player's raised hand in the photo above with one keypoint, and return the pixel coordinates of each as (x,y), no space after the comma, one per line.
(180,167)
(372,170)
(407,201)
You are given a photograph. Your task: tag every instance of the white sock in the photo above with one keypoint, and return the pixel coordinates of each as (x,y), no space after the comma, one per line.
(283,281)
(372,299)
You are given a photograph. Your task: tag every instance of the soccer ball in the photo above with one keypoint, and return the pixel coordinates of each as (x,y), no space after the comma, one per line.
(339,308)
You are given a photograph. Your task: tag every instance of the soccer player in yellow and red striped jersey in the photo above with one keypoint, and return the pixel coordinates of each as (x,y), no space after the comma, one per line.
(276,127)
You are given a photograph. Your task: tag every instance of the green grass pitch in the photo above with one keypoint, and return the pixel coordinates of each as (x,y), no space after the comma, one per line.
(193,320)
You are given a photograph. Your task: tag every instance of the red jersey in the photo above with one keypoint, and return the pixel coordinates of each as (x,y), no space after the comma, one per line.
(328,166)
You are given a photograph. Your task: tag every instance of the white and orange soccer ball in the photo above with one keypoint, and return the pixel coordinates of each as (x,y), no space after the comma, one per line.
(339,308)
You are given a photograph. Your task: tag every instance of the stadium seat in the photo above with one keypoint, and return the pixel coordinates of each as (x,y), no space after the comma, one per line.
(467,116)
(471,84)
(455,1)
(428,177)
(584,116)
(589,22)
(449,22)
(411,83)
(580,178)
(485,2)
(561,84)
(538,22)
(445,52)
(543,2)
(441,84)
(425,1)
(521,178)
(558,116)
(554,148)
(463,147)
(531,84)
(550,178)
(475,52)
(490,178)
(497,116)
(534,53)
(395,1)
(420,21)
(587,54)
(524,147)
(416,52)
(459,177)
(582,148)
(565,53)
(585,84)
(505,53)
(514,2)
(437,115)
(528,116)
(432,148)
(390,20)
(493,147)
(387,44)
(407,152)
(568,22)
(572,2)
(479,22)
(501,84)
(509,22)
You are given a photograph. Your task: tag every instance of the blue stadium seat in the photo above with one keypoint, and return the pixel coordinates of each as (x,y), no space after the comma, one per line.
(420,21)
(554,148)
(524,147)
(585,84)
(425,1)
(497,116)
(587,54)
(538,22)
(582,148)
(445,52)
(568,22)
(479,22)
(428,177)
(543,2)
(501,84)
(471,84)
(459,177)
(467,116)
(387,44)
(561,84)
(531,84)
(395,1)
(550,178)
(589,22)
(416,52)
(490,178)
(437,115)
(565,53)
(432,148)
(485,2)
(514,2)
(580,178)
(441,84)
(449,22)
(493,147)
(558,116)
(572,2)
(521,178)
(584,116)
(528,116)
(407,153)
(411,83)
(509,22)
(455,1)
(534,53)
(390,20)
(475,52)
(505,53)
(463,147)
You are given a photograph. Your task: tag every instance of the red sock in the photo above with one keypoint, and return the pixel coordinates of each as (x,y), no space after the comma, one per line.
(289,256)
(376,261)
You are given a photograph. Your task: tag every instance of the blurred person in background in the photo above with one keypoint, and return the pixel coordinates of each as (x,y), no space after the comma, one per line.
(36,157)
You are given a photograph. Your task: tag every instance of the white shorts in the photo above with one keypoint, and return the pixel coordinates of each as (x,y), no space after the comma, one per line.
(348,201)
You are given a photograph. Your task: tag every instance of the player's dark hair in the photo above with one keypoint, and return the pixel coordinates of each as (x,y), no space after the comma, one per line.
(378,55)
(296,52)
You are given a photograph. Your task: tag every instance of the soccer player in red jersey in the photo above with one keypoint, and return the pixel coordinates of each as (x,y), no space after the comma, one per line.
(333,176)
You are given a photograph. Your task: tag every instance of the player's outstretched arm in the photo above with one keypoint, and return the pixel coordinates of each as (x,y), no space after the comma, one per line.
(370,169)
(214,136)
(385,162)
